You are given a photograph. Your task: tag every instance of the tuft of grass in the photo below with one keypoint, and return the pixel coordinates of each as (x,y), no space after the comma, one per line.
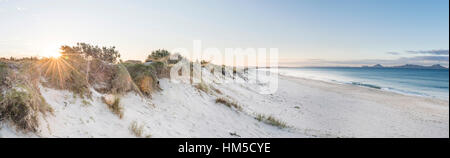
(78,84)
(202,87)
(137,130)
(204,63)
(271,121)
(85,102)
(229,103)
(115,107)
(216,90)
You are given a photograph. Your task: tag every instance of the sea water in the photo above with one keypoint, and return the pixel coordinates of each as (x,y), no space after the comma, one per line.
(432,83)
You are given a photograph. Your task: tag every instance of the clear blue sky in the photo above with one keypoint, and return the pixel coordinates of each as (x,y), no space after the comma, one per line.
(334,32)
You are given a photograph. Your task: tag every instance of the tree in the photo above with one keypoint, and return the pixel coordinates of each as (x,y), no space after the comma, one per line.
(158,54)
(107,54)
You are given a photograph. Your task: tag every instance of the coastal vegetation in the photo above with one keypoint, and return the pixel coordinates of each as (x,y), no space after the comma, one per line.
(87,71)
(77,70)
(271,121)
(229,103)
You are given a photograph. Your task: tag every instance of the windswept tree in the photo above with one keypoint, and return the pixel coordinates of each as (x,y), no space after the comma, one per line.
(107,54)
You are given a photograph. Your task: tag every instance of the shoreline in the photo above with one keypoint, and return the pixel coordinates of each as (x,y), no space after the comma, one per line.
(407,90)
(429,98)
(342,110)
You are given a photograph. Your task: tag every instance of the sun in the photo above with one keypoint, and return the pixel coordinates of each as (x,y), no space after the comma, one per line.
(52,52)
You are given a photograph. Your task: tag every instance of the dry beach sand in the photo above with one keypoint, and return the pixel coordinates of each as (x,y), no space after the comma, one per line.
(309,108)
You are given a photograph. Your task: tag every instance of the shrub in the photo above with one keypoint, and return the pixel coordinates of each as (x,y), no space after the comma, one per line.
(271,121)
(122,82)
(144,76)
(65,73)
(229,103)
(107,54)
(174,59)
(161,69)
(100,75)
(132,62)
(20,99)
(21,106)
(78,84)
(3,73)
(146,85)
(109,78)
(204,63)
(158,54)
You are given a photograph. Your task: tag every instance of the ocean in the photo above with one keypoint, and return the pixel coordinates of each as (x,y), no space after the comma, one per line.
(418,82)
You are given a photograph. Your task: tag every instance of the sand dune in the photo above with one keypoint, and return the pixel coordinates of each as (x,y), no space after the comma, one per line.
(309,108)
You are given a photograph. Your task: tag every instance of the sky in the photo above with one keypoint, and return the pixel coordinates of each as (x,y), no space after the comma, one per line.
(306,32)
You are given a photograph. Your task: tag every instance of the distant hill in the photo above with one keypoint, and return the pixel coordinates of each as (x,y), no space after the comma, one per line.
(409,66)
(378,66)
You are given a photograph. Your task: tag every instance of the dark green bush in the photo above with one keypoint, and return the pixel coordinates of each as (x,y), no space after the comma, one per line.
(158,54)
(144,76)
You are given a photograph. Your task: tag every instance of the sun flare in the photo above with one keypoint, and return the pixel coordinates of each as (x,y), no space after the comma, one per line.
(52,52)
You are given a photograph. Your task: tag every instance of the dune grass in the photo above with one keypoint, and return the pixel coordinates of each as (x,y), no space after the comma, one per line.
(202,87)
(271,121)
(3,73)
(229,103)
(114,105)
(21,102)
(216,90)
(21,106)
(85,102)
(138,130)
(117,108)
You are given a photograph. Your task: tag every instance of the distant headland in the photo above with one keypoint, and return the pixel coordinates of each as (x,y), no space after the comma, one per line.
(409,66)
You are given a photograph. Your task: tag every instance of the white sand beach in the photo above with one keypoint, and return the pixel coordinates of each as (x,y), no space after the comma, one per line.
(340,110)
(309,108)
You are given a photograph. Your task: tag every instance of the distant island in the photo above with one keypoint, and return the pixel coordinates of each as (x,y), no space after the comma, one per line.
(409,66)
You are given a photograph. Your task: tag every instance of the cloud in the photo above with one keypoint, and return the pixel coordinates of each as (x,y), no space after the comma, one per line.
(417,60)
(428,52)
(393,53)
(21,9)
(431,52)
(427,58)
